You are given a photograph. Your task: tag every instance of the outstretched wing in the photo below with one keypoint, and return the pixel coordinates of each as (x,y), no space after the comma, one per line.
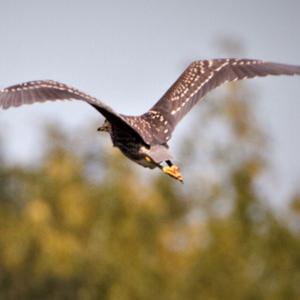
(196,81)
(49,90)
(42,91)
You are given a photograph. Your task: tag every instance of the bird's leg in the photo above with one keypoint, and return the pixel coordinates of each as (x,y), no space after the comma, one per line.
(172,170)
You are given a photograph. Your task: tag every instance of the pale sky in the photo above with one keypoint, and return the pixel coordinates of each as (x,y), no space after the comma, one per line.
(128,53)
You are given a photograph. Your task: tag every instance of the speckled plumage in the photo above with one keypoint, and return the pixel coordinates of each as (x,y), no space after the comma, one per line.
(144,138)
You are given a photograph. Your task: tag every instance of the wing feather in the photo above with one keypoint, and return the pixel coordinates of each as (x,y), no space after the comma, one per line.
(193,84)
(49,90)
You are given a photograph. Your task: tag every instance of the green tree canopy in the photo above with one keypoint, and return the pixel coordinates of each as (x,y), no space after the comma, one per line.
(85,223)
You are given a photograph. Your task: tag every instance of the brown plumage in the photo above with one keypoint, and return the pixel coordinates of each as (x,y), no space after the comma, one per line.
(144,138)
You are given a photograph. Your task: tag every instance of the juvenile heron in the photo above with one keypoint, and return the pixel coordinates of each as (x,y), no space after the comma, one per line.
(144,138)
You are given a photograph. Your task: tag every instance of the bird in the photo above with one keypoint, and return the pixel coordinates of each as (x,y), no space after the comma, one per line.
(144,138)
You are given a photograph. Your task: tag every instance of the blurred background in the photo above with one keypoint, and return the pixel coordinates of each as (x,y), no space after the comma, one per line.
(80,221)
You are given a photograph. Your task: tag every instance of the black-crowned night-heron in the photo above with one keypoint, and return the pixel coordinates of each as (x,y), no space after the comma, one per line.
(144,138)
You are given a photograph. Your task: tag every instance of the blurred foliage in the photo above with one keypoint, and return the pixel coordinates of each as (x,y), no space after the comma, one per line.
(84,224)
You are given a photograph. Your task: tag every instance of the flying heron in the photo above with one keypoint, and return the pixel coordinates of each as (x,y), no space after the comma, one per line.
(144,139)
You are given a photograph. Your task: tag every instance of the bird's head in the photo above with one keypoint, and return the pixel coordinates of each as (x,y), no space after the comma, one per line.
(106,127)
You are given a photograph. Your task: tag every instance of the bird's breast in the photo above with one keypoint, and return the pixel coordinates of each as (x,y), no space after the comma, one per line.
(132,149)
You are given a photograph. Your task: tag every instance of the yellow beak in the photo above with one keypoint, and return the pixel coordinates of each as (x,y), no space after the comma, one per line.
(174,172)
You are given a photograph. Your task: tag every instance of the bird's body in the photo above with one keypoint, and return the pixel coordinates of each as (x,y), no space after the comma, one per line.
(143,139)
(131,147)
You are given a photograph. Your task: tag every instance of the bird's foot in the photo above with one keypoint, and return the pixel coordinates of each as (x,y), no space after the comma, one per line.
(173,171)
